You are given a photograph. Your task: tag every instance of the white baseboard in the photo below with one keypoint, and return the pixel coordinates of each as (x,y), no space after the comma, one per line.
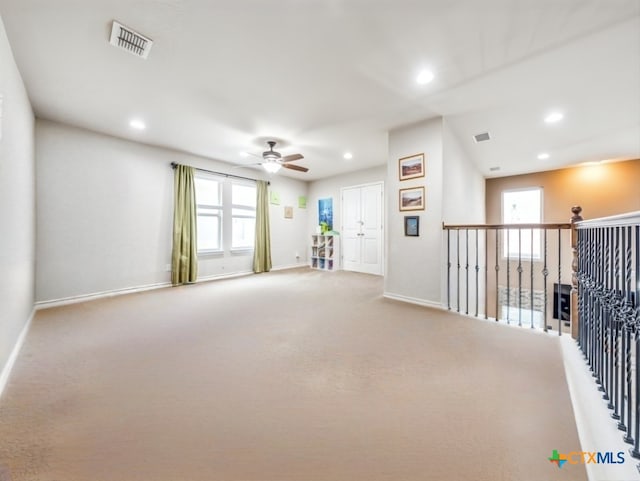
(131,290)
(6,369)
(98,295)
(290,266)
(217,277)
(413,300)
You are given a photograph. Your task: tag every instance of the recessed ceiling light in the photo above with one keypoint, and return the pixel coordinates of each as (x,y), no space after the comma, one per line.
(348,155)
(137,124)
(543,156)
(554,117)
(244,154)
(424,77)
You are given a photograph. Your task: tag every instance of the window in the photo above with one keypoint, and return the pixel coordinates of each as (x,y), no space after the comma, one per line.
(522,207)
(209,212)
(226,212)
(243,212)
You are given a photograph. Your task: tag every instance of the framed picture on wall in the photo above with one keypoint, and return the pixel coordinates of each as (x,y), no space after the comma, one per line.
(412,199)
(288,212)
(411,226)
(411,167)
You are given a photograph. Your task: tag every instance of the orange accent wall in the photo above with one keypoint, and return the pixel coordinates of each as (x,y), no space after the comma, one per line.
(601,190)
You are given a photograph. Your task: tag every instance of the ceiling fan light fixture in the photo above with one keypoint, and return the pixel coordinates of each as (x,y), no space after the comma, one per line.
(271,167)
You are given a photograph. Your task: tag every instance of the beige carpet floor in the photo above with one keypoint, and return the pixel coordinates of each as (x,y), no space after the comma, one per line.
(289,376)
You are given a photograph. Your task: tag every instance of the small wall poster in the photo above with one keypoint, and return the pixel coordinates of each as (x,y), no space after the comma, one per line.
(302,202)
(325,214)
(288,212)
(274,197)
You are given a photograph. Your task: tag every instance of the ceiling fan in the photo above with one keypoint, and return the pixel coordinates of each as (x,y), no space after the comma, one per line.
(272,161)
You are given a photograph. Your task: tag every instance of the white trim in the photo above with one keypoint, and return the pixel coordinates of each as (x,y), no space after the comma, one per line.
(630,218)
(290,266)
(414,300)
(98,295)
(383,231)
(6,370)
(367,184)
(132,290)
(215,277)
(241,250)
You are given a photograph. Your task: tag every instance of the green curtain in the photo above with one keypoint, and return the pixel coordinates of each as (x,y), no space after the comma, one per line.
(184,258)
(262,250)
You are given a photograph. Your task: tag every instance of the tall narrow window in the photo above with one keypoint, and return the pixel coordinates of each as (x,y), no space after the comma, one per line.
(243,212)
(522,207)
(209,211)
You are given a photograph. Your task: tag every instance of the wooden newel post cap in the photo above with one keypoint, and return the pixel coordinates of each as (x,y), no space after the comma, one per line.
(575,210)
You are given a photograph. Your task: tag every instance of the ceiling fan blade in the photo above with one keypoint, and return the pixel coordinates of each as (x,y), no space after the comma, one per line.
(295,167)
(292,157)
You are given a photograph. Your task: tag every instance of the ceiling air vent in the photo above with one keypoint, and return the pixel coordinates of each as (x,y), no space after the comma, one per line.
(129,40)
(483,137)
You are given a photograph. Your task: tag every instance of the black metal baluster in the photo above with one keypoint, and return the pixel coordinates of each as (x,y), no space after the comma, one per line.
(519,277)
(592,307)
(608,354)
(508,249)
(628,438)
(449,269)
(497,269)
(584,323)
(625,338)
(615,388)
(466,272)
(610,393)
(532,296)
(458,276)
(477,272)
(559,281)
(486,274)
(545,273)
(634,318)
(599,310)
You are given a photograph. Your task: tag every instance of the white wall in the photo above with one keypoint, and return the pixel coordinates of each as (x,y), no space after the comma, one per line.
(330,187)
(463,203)
(288,236)
(17,203)
(105,208)
(464,198)
(413,270)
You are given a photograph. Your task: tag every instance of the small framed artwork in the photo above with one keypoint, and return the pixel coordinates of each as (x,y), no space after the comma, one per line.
(411,225)
(288,212)
(412,199)
(411,167)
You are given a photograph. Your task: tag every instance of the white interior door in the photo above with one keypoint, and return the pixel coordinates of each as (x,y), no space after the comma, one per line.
(362,228)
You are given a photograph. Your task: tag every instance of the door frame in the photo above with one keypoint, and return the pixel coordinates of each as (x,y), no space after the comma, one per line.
(383,218)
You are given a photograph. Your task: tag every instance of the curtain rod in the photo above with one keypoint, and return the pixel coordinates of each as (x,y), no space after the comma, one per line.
(174,165)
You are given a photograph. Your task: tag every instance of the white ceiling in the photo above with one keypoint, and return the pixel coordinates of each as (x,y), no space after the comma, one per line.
(329,76)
